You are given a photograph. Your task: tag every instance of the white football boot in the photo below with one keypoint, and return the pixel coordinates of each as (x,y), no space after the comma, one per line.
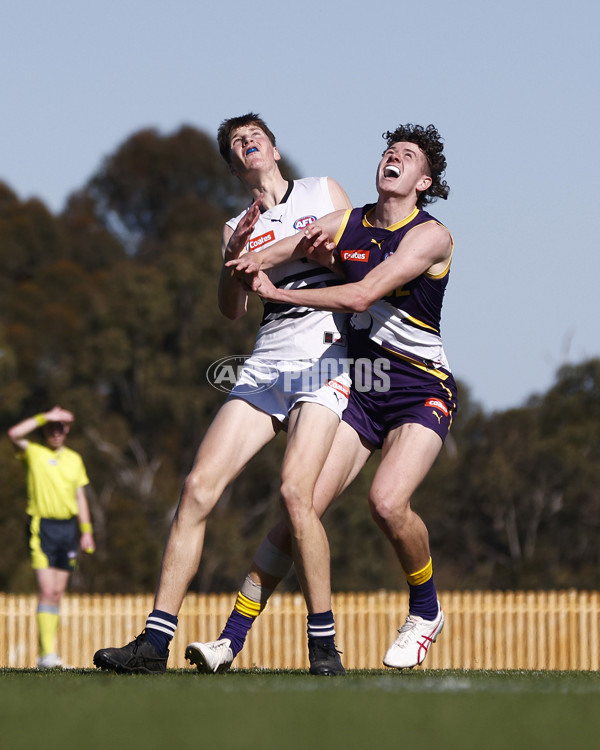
(214,656)
(49,661)
(413,642)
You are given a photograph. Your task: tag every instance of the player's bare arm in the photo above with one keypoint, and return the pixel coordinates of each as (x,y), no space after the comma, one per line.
(289,248)
(338,195)
(283,251)
(232,295)
(427,248)
(319,246)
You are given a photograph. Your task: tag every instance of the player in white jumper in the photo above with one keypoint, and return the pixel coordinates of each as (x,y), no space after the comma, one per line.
(292,340)
(305,391)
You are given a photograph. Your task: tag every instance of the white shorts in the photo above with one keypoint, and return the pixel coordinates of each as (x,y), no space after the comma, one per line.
(276,386)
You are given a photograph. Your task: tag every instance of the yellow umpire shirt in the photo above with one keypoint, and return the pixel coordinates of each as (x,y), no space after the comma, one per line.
(53,478)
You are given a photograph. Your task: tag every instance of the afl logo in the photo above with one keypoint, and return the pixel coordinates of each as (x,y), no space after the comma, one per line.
(304,222)
(225,373)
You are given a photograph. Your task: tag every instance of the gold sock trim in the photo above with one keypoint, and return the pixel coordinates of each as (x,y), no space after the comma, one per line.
(247,607)
(421,576)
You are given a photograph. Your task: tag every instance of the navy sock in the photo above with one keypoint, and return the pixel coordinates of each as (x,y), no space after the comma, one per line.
(236,629)
(321,627)
(160,629)
(422,600)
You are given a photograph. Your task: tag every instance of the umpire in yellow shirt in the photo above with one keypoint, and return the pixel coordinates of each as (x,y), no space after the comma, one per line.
(59,513)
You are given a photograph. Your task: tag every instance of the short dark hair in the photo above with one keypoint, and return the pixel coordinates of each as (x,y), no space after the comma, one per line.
(430,142)
(227,127)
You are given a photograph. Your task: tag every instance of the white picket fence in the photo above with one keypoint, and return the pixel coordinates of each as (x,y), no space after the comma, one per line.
(484,630)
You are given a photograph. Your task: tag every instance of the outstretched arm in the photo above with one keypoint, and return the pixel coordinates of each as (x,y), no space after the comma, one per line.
(18,433)
(427,248)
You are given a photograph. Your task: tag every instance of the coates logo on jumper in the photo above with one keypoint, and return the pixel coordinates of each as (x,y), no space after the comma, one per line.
(437,403)
(360,255)
(224,375)
(304,222)
(257,242)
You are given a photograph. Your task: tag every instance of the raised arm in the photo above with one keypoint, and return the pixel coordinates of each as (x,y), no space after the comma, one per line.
(426,249)
(18,432)
(309,243)
(232,294)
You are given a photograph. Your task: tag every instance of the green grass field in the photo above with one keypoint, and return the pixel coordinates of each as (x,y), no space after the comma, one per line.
(256,710)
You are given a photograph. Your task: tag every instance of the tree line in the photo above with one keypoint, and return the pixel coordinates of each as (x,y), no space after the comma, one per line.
(109,309)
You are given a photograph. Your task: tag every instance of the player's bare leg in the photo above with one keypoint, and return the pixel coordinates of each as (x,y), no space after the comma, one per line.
(315,575)
(273,559)
(408,453)
(236,434)
(304,458)
(407,456)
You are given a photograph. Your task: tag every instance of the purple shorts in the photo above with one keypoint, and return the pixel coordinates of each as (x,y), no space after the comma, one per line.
(395,392)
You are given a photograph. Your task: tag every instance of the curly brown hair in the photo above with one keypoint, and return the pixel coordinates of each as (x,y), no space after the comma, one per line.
(227,127)
(430,142)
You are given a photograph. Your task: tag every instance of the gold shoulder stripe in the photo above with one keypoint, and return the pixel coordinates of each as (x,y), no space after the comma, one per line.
(342,227)
(447,268)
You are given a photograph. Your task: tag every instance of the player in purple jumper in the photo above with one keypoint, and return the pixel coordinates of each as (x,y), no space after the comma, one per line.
(395,258)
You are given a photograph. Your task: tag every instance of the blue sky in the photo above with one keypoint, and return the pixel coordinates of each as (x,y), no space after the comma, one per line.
(513,87)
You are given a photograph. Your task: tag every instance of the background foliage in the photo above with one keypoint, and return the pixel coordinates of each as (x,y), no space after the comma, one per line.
(109,309)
